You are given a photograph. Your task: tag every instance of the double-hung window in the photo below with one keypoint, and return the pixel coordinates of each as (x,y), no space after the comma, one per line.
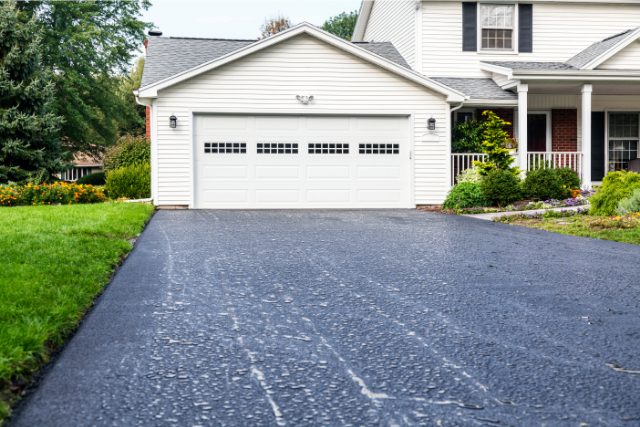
(497,26)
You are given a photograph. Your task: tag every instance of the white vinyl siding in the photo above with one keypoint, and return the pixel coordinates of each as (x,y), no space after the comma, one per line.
(627,59)
(268,81)
(394,21)
(560,30)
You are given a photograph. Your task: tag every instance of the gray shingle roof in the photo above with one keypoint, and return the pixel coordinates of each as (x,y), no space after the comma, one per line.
(597,49)
(385,49)
(524,65)
(477,88)
(168,56)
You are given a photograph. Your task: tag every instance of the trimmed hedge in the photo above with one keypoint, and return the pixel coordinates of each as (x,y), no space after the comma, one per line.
(544,184)
(128,151)
(615,187)
(57,193)
(131,182)
(97,178)
(501,187)
(466,195)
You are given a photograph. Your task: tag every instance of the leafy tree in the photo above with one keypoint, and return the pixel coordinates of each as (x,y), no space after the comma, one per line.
(133,121)
(87,44)
(273,26)
(496,143)
(468,136)
(29,144)
(341,25)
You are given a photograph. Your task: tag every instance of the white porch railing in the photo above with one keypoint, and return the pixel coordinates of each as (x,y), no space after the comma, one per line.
(463,161)
(555,159)
(535,160)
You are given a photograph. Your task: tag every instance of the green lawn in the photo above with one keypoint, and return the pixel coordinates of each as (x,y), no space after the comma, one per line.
(54,261)
(624,229)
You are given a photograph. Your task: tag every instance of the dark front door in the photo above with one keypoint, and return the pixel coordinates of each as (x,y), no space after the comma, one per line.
(537,132)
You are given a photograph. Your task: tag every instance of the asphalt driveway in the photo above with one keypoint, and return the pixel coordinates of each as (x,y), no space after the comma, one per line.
(362,318)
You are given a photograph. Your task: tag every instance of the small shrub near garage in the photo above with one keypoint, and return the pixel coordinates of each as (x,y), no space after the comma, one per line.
(543,184)
(631,204)
(128,151)
(97,178)
(469,175)
(615,187)
(466,195)
(569,178)
(131,182)
(57,193)
(501,187)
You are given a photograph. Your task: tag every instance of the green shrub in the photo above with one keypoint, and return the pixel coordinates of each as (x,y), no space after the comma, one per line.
(128,151)
(501,187)
(469,175)
(569,177)
(631,204)
(63,193)
(132,182)
(467,137)
(465,195)
(615,187)
(496,144)
(543,184)
(97,178)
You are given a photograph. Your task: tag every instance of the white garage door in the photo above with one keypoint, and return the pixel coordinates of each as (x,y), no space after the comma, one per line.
(270,162)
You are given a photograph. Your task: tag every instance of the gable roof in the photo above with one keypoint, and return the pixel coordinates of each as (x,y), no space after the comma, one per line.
(599,52)
(168,56)
(155,79)
(530,65)
(478,88)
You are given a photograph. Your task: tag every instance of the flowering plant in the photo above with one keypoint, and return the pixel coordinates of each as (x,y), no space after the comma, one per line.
(63,193)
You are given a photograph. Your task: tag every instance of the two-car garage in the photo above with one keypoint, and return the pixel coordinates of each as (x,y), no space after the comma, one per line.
(255,162)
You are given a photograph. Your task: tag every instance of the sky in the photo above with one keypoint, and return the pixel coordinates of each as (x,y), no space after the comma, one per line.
(237,19)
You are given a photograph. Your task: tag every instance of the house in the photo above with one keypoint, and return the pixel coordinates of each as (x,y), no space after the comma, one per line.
(304,119)
(83,164)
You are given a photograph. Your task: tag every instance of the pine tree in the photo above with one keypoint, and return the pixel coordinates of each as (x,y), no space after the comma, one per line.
(30,147)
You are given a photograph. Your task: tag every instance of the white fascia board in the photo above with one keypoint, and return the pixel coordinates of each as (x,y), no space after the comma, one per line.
(632,37)
(507,72)
(492,102)
(557,1)
(452,95)
(579,75)
(363,20)
(142,101)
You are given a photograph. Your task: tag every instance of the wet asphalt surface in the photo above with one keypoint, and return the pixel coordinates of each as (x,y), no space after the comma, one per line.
(353,318)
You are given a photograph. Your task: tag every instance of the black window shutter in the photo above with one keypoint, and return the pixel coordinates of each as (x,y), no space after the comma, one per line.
(597,146)
(469,26)
(525,19)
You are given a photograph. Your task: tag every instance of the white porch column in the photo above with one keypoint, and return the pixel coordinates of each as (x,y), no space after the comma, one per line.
(587,90)
(523,114)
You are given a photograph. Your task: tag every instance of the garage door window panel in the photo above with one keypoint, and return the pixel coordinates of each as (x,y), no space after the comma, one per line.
(225,147)
(379,148)
(328,148)
(277,148)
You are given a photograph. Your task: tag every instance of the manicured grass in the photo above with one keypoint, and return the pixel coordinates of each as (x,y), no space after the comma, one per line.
(54,261)
(624,229)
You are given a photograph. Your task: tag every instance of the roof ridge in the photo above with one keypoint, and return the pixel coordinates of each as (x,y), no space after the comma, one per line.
(622,33)
(209,38)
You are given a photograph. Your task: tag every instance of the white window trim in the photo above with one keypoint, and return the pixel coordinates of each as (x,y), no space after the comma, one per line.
(516,27)
(607,138)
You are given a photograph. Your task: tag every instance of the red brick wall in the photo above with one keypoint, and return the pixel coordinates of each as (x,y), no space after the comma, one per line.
(564,130)
(147,120)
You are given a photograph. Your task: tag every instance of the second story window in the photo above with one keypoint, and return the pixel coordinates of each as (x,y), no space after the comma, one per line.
(497,22)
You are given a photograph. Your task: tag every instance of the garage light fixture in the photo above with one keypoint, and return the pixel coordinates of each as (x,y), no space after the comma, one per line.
(173,121)
(304,99)
(431,124)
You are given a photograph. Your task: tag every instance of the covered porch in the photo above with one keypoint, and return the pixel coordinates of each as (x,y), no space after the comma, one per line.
(587,120)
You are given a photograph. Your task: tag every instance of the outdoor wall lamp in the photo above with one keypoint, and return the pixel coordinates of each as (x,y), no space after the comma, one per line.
(431,124)
(173,121)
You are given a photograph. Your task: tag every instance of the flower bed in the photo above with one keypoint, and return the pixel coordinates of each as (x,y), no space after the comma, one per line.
(526,205)
(57,193)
